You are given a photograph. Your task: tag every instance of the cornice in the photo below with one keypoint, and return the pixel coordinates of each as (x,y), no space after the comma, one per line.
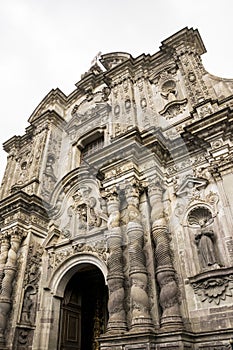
(186,38)
(22,201)
(211,125)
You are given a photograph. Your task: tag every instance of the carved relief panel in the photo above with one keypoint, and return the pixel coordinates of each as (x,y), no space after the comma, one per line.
(80,211)
(51,164)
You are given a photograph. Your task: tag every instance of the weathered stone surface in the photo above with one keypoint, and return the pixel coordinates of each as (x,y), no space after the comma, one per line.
(116,210)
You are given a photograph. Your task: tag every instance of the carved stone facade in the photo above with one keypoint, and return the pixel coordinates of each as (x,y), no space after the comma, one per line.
(116,210)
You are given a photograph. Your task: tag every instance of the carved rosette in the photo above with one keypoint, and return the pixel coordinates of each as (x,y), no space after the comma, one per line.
(9,257)
(165,273)
(139,301)
(117,315)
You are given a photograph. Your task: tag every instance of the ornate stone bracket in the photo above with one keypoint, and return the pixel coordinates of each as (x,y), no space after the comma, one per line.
(213,286)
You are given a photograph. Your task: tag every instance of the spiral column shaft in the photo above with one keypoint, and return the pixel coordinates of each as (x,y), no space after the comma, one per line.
(9,271)
(165,273)
(139,301)
(115,278)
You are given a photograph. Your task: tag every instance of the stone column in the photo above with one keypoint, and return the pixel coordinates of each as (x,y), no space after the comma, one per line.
(9,272)
(115,278)
(165,273)
(139,301)
(5,245)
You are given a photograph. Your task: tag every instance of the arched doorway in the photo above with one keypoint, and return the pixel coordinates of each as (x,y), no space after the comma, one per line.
(83,316)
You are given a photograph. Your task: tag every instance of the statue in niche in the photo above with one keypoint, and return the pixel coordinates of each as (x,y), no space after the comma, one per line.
(201,217)
(27,306)
(205,244)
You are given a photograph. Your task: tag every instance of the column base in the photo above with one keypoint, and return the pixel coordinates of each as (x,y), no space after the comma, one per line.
(116,327)
(141,324)
(171,323)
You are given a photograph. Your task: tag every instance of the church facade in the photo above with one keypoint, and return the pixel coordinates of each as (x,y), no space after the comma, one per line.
(116,210)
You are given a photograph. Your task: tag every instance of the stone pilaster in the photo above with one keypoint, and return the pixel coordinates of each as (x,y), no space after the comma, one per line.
(139,301)
(117,314)
(9,271)
(165,273)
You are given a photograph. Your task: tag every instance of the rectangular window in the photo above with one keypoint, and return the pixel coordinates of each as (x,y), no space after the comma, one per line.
(93,147)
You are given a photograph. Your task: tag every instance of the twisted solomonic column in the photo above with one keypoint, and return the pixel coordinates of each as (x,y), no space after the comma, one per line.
(117,315)
(165,273)
(9,271)
(139,301)
(5,245)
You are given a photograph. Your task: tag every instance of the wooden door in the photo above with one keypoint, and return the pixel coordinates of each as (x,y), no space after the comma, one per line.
(71,328)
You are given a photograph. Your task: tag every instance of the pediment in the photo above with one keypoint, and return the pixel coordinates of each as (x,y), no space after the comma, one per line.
(53,236)
(189,184)
(55,96)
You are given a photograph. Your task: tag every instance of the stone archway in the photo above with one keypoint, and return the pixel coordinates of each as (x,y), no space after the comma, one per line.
(49,315)
(83,314)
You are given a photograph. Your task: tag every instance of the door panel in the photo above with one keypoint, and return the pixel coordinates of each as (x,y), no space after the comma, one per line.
(83,311)
(71,329)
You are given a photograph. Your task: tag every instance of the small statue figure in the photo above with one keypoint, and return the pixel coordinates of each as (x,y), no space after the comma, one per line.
(94,218)
(27,305)
(82,214)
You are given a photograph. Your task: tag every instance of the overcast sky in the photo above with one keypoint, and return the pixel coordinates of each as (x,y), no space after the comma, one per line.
(49,43)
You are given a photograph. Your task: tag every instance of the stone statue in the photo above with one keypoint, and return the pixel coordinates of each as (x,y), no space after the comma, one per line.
(27,306)
(82,215)
(204,241)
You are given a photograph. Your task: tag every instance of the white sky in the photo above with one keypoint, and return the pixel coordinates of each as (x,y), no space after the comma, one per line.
(49,43)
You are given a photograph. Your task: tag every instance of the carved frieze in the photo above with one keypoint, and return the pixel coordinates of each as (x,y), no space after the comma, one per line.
(56,257)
